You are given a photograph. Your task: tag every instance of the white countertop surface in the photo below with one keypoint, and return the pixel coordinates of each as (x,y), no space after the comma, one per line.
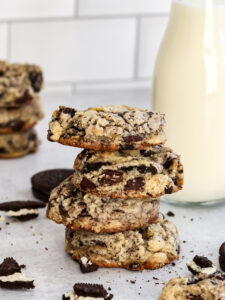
(53,270)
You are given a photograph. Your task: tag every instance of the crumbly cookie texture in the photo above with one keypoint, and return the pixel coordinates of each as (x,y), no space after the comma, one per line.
(19,83)
(107,128)
(79,211)
(152,172)
(18,144)
(147,248)
(21,118)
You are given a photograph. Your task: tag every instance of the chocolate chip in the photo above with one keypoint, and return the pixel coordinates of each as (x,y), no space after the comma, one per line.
(168,163)
(132,138)
(170,214)
(87,184)
(90,290)
(144,169)
(193,297)
(36,79)
(168,190)
(202,261)
(90,167)
(110,177)
(2,150)
(136,184)
(128,169)
(67,110)
(99,243)
(134,266)
(222,250)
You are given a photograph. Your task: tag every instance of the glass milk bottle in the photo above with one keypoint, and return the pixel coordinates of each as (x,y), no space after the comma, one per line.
(189,87)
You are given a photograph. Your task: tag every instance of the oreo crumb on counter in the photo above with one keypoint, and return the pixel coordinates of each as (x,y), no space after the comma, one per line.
(44,181)
(170,214)
(87,266)
(21,210)
(91,291)
(222,257)
(11,276)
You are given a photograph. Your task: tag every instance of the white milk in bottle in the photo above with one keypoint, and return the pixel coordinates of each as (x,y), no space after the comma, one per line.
(189,87)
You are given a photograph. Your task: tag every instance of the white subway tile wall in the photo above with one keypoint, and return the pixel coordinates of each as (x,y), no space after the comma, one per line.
(85,43)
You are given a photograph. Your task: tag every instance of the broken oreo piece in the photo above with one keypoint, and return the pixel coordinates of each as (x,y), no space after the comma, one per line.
(11,276)
(201,265)
(222,257)
(170,214)
(22,210)
(91,291)
(44,181)
(87,266)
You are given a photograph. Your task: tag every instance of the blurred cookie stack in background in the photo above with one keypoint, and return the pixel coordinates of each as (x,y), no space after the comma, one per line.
(110,205)
(20,108)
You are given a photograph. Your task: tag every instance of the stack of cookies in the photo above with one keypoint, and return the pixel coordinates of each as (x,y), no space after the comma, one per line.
(110,205)
(20,108)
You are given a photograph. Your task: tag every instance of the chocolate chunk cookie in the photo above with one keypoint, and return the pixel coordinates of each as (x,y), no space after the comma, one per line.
(152,172)
(148,248)
(18,144)
(11,276)
(89,291)
(79,211)
(108,128)
(21,118)
(19,83)
(22,210)
(206,284)
(45,181)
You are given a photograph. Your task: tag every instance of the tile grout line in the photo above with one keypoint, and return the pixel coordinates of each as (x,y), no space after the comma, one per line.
(83,18)
(137,47)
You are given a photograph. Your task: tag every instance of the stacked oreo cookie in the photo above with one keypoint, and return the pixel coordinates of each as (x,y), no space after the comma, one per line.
(110,205)
(20,108)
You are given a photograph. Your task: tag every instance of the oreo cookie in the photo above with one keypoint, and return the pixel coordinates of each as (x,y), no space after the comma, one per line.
(22,210)
(11,276)
(91,291)
(44,181)
(222,257)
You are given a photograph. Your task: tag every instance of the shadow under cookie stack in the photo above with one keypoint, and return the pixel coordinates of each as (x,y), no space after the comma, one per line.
(110,205)
(20,108)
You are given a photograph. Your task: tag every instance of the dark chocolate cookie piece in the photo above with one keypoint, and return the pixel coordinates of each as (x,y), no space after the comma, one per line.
(90,290)
(9,266)
(87,266)
(39,195)
(17,284)
(43,182)
(17,205)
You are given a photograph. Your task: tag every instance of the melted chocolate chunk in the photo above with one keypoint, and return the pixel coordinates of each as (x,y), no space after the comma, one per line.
(87,184)
(132,138)
(14,125)
(202,261)
(136,184)
(110,177)
(144,169)
(36,79)
(90,167)
(24,99)
(90,290)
